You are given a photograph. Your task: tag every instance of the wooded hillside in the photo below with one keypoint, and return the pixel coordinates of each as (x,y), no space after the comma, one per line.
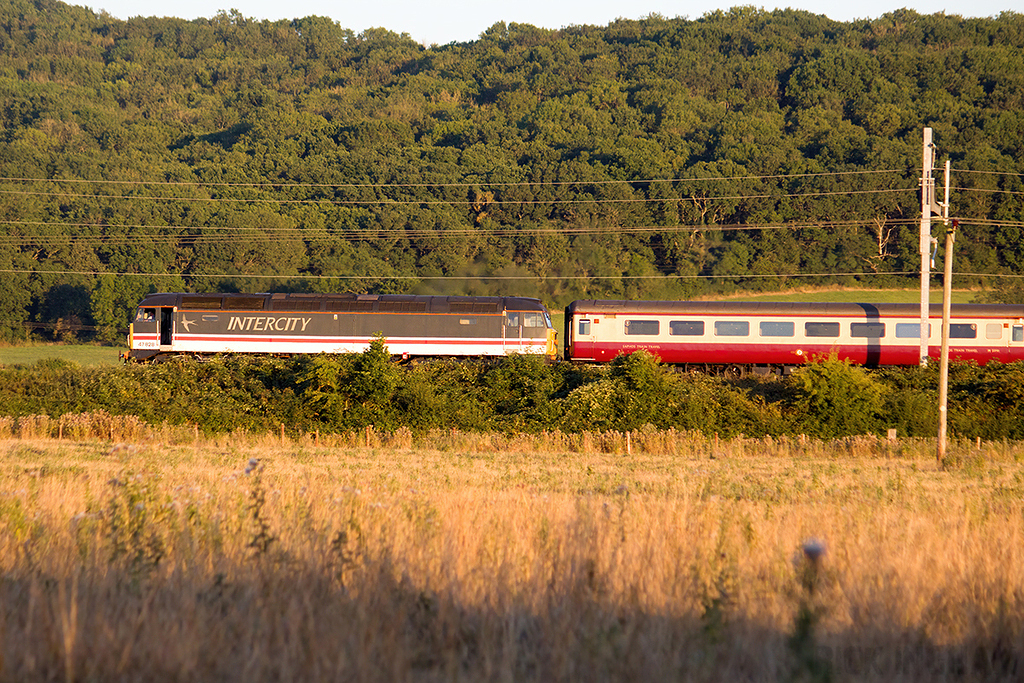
(653,158)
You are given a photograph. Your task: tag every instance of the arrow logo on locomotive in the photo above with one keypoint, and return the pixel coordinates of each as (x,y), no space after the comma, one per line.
(266,323)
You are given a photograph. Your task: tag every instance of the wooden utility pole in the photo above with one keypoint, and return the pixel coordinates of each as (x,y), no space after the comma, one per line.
(947,296)
(927,201)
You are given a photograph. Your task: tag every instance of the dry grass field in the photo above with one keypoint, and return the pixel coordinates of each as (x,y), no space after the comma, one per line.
(461,557)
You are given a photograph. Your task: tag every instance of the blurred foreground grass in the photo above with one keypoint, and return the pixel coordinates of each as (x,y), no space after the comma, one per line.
(492,558)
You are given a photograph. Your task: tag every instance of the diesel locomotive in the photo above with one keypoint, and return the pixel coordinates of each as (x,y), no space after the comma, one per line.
(171,324)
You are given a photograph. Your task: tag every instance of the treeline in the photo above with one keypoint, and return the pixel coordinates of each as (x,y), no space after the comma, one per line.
(332,394)
(660,158)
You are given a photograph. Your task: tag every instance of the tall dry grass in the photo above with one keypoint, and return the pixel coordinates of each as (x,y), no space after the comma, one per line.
(249,558)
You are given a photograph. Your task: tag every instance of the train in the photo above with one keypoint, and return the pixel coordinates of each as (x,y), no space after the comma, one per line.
(199,325)
(735,338)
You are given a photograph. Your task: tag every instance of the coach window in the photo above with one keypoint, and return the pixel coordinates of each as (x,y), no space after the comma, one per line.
(994,331)
(584,327)
(644,327)
(686,328)
(821,329)
(777,328)
(732,328)
(1018,333)
(963,331)
(867,330)
(910,330)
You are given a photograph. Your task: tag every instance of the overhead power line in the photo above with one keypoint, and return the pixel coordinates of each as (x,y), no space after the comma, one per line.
(468,202)
(301,276)
(532,278)
(976,189)
(964,171)
(476,183)
(226,235)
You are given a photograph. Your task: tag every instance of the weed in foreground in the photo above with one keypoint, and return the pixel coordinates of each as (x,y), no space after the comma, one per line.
(808,664)
(261,539)
(133,520)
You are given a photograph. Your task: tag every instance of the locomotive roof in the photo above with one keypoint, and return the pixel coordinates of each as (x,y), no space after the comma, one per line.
(434,302)
(783,308)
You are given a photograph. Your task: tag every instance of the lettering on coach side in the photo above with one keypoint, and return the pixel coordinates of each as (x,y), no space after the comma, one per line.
(265,323)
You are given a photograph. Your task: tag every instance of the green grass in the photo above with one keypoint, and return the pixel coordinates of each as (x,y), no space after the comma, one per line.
(83,354)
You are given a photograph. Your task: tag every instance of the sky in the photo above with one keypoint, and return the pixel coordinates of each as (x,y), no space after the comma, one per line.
(444,21)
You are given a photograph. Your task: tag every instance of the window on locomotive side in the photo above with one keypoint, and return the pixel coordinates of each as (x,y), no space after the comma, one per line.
(867,330)
(686,328)
(642,327)
(821,329)
(201,302)
(777,328)
(732,328)
(243,303)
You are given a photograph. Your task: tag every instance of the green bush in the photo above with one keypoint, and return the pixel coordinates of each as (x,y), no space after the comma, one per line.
(835,398)
(911,400)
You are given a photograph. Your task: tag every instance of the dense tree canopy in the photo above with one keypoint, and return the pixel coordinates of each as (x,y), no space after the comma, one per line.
(651,158)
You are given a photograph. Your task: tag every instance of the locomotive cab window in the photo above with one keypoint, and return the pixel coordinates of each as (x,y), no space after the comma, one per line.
(963,331)
(644,327)
(686,328)
(732,328)
(821,329)
(146,315)
(777,328)
(584,328)
(511,319)
(533,320)
(867,330)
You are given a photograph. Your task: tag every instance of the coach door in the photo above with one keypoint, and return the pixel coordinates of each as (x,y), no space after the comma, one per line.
(166,327)
(582,339)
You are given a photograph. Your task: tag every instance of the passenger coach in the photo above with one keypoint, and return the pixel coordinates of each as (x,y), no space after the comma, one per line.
(206,324)
(738,336)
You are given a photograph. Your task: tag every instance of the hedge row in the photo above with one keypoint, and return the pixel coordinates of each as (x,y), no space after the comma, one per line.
(827,399)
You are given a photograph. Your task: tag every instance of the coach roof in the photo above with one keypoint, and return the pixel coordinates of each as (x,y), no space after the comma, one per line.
(783,308)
